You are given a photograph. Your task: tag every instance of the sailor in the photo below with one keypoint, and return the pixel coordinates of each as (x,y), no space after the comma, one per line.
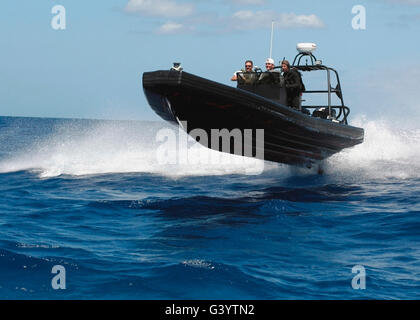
(294,85)
(271,75)
(246,74)
(269,64)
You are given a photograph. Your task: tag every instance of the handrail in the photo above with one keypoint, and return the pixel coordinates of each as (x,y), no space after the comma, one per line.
(344,111)
(301,55)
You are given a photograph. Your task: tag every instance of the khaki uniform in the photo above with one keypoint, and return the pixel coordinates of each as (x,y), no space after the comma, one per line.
(246,77)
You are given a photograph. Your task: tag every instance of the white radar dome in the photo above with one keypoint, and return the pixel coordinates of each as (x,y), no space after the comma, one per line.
(306,47)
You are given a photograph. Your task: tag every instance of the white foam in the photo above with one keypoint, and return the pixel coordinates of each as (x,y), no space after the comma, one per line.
(386,152)
(120,147)
(117,147)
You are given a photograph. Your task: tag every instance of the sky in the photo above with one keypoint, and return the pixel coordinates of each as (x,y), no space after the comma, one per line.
(93,67)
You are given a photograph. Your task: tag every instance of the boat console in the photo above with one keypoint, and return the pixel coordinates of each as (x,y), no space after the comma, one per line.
(266,84)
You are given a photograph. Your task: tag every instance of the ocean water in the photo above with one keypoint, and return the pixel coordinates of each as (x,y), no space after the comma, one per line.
(93,197)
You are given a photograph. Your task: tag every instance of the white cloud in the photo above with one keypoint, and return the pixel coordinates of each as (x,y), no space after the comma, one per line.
(160,8)
(247,20)
(185,18)
(172,28)
(249,2)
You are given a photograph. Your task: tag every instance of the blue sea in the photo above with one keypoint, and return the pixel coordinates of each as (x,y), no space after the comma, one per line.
(94,197)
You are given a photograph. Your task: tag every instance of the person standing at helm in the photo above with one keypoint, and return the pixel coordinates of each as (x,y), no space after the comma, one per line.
(271,75)
(294,85)
(245,74)
(269,64)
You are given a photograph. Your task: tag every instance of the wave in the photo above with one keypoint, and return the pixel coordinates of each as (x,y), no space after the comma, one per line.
(387,152)
(100,147)
(122,147)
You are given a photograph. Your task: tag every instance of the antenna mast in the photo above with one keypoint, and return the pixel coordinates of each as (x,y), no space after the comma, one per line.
(271,43)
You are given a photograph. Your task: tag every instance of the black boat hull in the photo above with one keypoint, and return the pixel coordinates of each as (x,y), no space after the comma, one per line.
(290,136)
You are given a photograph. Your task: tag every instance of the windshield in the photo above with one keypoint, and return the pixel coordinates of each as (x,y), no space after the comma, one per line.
(256,78)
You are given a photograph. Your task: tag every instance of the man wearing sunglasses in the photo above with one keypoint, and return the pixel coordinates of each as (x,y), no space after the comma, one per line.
(245,74)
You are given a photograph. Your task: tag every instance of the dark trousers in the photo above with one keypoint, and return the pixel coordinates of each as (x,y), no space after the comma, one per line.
(294,102)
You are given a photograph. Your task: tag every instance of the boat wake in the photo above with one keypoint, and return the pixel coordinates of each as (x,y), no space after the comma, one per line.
(387,152)
(100,147)
(121,147)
